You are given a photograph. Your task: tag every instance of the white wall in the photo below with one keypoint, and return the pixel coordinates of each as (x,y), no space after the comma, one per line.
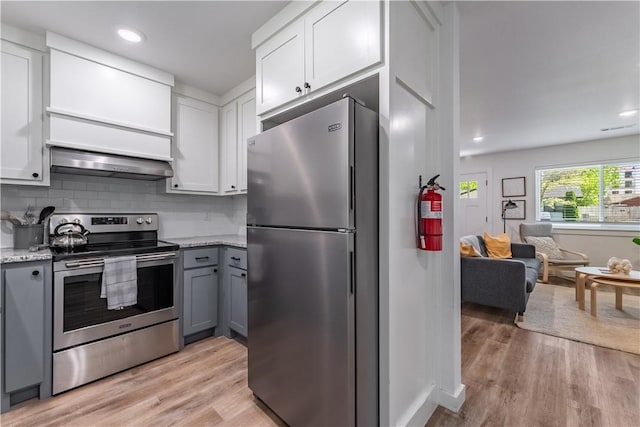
(179,215)
(599,245)
(419,312)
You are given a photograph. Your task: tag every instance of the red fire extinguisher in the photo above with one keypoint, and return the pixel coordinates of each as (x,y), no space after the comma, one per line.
(429,216)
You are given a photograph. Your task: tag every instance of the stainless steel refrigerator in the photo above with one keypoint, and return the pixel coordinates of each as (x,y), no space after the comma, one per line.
(312,242)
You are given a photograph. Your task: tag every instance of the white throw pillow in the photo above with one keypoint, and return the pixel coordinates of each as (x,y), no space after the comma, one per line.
(473,241)
(546,245)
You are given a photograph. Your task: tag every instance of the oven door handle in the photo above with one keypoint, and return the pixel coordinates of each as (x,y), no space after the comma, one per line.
(155,257)
(98,262)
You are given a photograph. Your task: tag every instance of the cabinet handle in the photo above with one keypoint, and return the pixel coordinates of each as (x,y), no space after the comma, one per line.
(233,187)
(201,258)
(175,185)
(35,174)
(307,85)
(35,273)
(235,258)
(243,274)
(215,270)
(298,89)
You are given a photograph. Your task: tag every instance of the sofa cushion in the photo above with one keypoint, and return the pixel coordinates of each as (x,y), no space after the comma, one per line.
(498,246)
(531,278)
(545,245)
(531,272)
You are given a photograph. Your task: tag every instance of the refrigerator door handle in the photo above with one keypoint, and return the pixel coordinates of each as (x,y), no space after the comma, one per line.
(352,274)
(351,185)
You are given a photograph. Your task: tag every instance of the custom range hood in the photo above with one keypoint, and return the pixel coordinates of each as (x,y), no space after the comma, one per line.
(78,162)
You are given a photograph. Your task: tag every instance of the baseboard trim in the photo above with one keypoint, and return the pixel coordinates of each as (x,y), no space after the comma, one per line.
(420,409)
(453,401)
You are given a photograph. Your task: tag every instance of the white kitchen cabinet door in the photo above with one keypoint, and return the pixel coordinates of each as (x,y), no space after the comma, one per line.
(195,146)
(247,127)
(229,149)
(280,68)
(341,38)
(22,143)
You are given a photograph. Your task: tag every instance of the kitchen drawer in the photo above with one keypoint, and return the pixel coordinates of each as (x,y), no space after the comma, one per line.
(200,257)
(237,258)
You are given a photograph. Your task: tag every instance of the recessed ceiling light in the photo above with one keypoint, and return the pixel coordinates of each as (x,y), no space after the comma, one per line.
(130,35)
(478,138)
(628,113)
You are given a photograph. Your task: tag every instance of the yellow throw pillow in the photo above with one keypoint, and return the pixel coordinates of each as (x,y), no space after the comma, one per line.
(498,247)
(468,250)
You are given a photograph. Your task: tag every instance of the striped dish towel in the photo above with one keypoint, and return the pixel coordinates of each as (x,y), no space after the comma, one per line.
(120,282)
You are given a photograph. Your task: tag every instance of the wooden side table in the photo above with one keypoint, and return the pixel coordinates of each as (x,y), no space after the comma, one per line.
(583,273)
(619,284)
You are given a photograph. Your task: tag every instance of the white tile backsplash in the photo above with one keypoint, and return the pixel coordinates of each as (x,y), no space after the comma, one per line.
(179,215)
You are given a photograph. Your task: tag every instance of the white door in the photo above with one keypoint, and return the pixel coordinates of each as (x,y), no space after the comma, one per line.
(473,203)
(247,127)
(341,38)
(195,146)
(280,68)
(21,145)
(229,148)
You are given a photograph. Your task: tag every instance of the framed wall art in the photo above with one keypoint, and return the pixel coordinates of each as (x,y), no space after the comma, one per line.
(519,212)
(514,187)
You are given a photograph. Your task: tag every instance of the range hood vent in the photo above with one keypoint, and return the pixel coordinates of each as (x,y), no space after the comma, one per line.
(78,162)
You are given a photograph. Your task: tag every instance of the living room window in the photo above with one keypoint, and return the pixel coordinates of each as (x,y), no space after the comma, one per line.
(600,193)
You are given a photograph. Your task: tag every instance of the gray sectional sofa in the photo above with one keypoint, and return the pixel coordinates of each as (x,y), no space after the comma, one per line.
(501,283)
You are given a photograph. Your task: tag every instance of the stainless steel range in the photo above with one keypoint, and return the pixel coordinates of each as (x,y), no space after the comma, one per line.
(91,341)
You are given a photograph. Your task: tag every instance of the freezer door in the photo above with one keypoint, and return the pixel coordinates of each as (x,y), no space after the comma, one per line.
(299,172)
(301,325)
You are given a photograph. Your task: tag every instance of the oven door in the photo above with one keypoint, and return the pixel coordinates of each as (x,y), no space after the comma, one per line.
(81,316)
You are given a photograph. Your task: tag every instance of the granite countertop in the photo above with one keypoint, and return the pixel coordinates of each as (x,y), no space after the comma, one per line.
(220,239)
(10,255)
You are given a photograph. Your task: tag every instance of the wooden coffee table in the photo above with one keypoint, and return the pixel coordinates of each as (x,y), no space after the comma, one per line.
(584,273)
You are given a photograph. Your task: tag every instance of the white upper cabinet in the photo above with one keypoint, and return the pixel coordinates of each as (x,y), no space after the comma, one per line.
(103,102)
(229,148)
(21,147)
(331,41)
(238,124)
(280,68)
(195,147)
(247,127)
(341,38)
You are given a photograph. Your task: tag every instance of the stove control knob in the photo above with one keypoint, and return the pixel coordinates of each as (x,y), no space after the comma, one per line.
(76,220)
(149,220)
(139,220)
(63,220)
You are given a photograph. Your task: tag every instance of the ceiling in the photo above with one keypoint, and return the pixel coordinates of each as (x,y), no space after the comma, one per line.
(531,73)
(545,73)
(205,44)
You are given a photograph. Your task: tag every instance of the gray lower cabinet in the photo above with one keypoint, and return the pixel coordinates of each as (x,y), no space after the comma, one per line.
(200,302)
(238,303)
(26,303)
(236,289)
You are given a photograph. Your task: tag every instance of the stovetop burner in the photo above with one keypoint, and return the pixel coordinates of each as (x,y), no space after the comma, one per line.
(111,235)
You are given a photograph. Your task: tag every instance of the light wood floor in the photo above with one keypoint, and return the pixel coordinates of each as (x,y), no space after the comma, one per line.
(513,377)
(203,385)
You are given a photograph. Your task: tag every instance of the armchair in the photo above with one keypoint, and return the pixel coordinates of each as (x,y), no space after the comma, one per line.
(553,256)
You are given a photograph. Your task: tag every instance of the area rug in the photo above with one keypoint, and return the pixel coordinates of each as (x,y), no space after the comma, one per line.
(553,310)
